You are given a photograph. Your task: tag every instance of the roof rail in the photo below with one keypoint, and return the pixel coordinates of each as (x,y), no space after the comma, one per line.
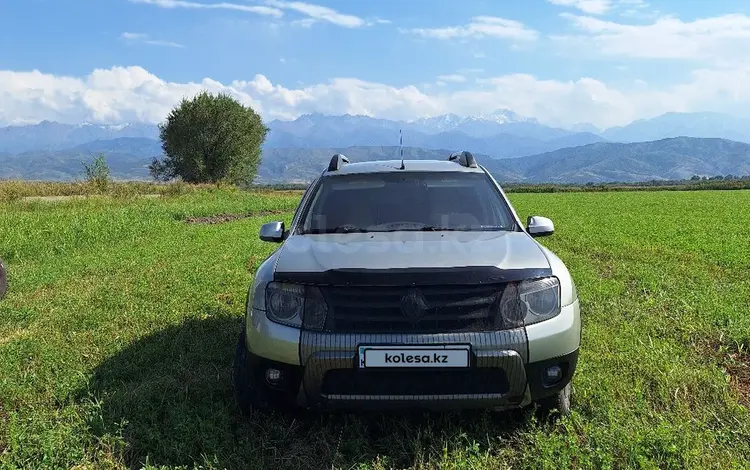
(464,159)
(337,162)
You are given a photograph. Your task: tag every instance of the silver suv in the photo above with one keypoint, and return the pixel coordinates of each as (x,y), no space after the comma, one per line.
(408,283)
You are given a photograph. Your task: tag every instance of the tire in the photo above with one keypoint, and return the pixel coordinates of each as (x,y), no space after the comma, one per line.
(248,395)
(560,401)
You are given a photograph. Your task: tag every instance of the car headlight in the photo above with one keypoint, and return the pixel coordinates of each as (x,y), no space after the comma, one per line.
(295,305)
(257,295)
(529,302)
(541,298)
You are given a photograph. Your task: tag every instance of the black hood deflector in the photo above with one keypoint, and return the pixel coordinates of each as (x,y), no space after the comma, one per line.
(413,276)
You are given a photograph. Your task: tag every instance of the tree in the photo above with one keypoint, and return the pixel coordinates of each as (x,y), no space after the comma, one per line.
(98,173)
(208,139)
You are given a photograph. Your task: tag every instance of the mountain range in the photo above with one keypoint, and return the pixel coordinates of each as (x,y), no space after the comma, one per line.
(127,157)
(704,124)
(666,159)
(512,147)
(501,140)
(48,135)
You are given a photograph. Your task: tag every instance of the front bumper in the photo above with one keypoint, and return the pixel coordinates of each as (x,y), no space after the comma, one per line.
(325,355)
(321,370)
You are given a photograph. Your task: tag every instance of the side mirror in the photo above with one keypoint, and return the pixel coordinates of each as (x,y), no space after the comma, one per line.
(539,226)
(272,232)
(3,280)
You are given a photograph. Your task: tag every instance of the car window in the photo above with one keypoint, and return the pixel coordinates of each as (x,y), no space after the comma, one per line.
(303,202)
(381,202)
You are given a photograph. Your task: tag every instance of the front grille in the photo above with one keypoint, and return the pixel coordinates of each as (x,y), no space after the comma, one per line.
(415,382)
(423,309)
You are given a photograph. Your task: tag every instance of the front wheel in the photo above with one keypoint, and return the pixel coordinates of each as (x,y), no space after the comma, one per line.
(560,401)
(247,394)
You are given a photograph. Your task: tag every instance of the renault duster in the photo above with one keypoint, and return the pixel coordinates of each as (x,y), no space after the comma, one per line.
(408,283)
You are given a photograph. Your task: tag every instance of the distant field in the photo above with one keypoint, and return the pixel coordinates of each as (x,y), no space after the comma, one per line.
(12,190)
(118,330)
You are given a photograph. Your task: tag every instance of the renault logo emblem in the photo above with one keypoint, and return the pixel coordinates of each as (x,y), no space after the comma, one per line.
(413,304)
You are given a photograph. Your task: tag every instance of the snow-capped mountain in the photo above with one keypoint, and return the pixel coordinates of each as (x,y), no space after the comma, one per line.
(364,130)
(504,116)
(705,124)
(51,150)
(445,122)
(483,125)
(502,133)
(48,135)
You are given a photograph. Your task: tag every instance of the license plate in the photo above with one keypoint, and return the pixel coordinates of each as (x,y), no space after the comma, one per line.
(414,356)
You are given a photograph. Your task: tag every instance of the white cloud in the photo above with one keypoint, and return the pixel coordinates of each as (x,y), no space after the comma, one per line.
(132,94)
(257,9)
(145,39)
(134,36)
(633,3)
(125,94)
(715,38)
(304,23)
(454,78)
(318,12)
(593,7)
(600,7)
(479,27)
(275,8)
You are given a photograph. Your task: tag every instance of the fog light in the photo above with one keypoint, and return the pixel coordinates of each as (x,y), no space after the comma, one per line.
(273,376)
(552,375)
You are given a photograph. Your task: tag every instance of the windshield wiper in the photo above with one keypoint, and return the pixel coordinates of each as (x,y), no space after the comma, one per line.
(412,227)
(401,227)
(437,228)
(338,229)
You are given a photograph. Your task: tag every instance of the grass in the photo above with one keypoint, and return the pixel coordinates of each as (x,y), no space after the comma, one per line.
(117,334)
(13,190)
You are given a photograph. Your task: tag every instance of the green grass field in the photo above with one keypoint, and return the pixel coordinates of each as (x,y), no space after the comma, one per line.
(118,331)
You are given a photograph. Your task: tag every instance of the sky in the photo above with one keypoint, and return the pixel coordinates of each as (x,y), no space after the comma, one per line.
(563,62)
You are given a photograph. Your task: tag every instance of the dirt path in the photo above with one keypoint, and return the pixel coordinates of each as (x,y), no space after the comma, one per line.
(221,218)
(73,196)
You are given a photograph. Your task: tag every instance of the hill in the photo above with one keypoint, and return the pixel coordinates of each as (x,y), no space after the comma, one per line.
(668,125)
(48,135)
(667,159)
(501,134)
(128,158)
(295,165)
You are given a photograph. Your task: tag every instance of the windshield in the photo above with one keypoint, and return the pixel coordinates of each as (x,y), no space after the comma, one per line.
(425,201)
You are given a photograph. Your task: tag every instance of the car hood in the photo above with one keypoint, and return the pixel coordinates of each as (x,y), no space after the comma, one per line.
(405,250)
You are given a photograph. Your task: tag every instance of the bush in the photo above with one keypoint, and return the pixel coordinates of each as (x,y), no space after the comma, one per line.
(98,174)
(210,139)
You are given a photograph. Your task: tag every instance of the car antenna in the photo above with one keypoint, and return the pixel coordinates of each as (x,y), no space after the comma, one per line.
(401,148)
